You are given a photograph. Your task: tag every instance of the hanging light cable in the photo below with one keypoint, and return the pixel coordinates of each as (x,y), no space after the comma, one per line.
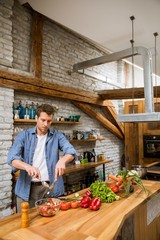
(156,94)
(132,46)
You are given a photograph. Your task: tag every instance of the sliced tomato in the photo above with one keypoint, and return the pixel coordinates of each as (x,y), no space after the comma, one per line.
(51,201)
(50,212)
(44,208)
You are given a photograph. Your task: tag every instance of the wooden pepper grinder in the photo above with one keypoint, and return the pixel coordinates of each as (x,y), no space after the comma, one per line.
(25,216)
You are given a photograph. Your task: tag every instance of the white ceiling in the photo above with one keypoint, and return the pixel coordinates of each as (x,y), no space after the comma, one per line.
(107,22)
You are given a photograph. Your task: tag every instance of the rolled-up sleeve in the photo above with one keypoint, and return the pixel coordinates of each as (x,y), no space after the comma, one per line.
(65,146)
(16,150)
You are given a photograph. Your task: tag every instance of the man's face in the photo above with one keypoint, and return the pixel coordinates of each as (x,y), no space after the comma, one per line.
(43,123)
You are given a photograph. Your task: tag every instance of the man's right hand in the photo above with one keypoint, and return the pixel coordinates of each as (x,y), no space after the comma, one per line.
(32,171)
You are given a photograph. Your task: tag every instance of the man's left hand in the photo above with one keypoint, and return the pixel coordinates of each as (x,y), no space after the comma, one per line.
(61,165)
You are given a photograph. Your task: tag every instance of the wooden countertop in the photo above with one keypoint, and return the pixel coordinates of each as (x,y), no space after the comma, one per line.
(151,170)
(80,223)
(79,167)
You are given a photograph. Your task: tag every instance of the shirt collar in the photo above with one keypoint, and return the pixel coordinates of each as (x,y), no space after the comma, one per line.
(50,131)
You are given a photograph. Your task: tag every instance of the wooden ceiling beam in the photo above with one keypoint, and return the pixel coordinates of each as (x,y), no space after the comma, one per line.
(111,114)
(126,93)
(34,85)
(99,117)
(36,48)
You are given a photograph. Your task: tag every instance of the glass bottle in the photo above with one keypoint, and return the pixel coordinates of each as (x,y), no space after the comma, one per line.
(20,108)
(13,108)
(37,104)
(93,156)
(32,112)
(100,176)
(26,110)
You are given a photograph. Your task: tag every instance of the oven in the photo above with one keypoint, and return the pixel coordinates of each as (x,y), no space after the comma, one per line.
(151,146)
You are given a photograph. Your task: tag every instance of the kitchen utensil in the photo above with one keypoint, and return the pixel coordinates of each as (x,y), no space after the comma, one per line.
(46,185)
(142,170)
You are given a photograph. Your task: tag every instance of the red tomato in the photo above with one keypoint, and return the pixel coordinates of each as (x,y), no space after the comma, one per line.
(115,189)
(65,205)
(74,204)
(112,185)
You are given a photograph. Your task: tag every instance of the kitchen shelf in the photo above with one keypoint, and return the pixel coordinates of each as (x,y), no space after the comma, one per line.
(86,140)
(34,121)
(79,167)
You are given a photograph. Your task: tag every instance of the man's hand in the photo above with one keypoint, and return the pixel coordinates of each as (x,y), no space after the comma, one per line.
(61,165)
(33,172)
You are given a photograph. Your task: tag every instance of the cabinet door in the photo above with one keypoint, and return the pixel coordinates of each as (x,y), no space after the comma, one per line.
(154,127)
(133,134)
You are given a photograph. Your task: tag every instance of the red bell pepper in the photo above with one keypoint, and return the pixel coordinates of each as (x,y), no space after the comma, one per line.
(95,203)
(88,193)
(85,202)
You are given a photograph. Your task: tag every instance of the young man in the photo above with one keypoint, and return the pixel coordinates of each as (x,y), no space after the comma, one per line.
(35,153)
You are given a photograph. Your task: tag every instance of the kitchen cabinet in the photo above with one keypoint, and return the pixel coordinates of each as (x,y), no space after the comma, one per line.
(83,223)
(134,133)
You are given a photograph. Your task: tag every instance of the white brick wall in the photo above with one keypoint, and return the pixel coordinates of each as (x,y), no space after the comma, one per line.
(6,131)
(6,45)
(21,33)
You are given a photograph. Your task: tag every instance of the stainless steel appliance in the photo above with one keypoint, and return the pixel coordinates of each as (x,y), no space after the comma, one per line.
(142,170)
(151,146)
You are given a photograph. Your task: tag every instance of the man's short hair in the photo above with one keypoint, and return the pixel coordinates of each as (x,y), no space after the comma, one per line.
(45,108)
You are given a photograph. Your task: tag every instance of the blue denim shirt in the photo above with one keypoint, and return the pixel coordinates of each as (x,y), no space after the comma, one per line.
(24,148)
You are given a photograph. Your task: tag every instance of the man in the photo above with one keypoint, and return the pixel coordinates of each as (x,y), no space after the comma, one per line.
(36,153)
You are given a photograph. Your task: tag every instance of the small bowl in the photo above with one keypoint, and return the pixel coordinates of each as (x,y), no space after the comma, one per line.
(77,117)
(48,207)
